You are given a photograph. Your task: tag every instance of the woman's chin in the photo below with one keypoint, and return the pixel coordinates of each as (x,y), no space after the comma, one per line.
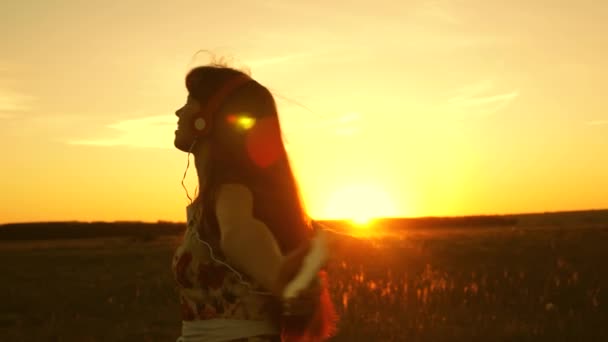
(181,143)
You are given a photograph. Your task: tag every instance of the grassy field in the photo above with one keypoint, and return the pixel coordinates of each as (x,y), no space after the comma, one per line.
(528,281)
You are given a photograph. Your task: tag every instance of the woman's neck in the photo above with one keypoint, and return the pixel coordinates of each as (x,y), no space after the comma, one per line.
(201,162)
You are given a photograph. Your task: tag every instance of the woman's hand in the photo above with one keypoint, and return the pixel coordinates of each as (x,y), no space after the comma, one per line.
(289,268)
(300,291)
(307,311)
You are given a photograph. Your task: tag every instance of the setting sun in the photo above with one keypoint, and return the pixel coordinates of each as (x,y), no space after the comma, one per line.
(361,220)
(406,127)
(360,204)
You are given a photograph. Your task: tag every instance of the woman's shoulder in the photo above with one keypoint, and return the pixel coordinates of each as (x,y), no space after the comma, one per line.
(233,201)
(233,191)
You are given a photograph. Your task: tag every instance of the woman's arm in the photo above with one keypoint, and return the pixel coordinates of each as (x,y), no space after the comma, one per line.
(250,245)
(246,241)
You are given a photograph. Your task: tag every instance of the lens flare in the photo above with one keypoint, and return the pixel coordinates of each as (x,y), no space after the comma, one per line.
(263,142)
(246,122)
(242,121)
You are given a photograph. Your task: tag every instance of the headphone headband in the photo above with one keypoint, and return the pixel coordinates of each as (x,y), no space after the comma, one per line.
(216,100)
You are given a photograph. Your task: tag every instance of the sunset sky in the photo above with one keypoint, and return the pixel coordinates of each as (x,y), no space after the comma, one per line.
(415,108)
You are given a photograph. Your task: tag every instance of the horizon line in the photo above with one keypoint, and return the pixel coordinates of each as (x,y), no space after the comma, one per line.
(381,218)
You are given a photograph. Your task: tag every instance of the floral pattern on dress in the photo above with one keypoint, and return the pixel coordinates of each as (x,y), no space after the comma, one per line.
(209,290)
(211,276)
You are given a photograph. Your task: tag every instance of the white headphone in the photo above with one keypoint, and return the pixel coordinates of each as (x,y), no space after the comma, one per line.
(200,124)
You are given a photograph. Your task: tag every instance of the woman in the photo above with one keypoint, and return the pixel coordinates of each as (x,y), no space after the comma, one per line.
(248,234)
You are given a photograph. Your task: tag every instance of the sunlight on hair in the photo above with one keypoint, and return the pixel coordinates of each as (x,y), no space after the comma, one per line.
(218,58)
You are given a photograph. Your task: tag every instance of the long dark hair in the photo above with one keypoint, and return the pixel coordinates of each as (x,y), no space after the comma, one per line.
(256,157)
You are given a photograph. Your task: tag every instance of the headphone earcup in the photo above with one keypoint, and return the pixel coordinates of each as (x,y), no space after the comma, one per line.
(200,124)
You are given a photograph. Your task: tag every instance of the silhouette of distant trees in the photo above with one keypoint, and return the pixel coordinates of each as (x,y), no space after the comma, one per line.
(149,231)
(79,230)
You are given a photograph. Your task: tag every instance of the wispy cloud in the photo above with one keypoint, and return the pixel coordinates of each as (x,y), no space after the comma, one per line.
(474,89)
(597,122)
(9,66)
(439,12)
(345,125)
(273,60)
(480,99)
(146,132)
(12,102)
(277,59)
(348,125)
(477,101)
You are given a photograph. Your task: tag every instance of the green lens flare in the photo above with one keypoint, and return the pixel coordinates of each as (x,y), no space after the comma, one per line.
(245,122)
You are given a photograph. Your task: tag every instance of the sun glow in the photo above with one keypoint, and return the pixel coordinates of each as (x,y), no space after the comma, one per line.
(361,220)
(360,204)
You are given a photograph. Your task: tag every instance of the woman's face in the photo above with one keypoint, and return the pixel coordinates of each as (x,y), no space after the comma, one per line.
(185,133)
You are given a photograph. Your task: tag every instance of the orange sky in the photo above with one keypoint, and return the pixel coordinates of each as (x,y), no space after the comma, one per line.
(419,108)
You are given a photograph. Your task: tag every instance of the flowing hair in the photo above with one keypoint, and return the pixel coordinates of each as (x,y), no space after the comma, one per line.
(255,156)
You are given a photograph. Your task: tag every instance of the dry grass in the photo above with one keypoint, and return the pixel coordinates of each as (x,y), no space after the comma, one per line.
(501,284)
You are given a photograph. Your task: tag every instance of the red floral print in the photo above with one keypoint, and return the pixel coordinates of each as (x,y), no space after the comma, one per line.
(207,289)
(208,312)
(211,276)
(187,313)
